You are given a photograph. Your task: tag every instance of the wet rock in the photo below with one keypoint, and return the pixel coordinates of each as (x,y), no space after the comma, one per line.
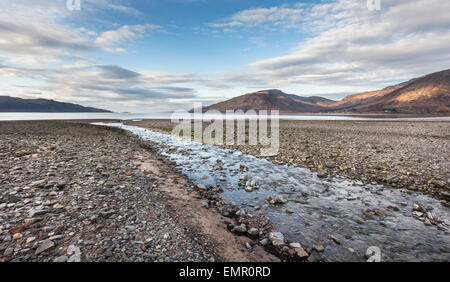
(264,242)
(301,253)
(321,172)
(337,239)
(318,248)
(280,200)
(276,238)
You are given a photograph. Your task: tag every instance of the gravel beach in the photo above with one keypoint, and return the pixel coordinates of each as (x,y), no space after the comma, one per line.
(71,191)
(77,192)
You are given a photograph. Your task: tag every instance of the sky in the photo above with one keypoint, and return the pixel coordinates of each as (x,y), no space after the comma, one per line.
(163,55)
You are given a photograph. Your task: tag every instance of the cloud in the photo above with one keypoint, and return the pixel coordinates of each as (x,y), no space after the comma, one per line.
(350,45)
(116,72)
(110,38)
(109,5)
(282,17)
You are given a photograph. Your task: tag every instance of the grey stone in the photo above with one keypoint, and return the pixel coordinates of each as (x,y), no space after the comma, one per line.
(47,244)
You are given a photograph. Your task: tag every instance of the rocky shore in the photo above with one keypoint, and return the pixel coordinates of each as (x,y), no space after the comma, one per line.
(410,155)
(77,192)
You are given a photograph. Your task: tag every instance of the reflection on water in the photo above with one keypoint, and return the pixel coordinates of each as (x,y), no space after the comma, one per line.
(316,209)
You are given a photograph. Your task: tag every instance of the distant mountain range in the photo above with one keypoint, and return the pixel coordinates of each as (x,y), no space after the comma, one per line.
(12,104)
(429,94)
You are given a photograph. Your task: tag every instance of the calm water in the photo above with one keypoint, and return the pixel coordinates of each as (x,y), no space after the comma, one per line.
(133,116)
(320,207)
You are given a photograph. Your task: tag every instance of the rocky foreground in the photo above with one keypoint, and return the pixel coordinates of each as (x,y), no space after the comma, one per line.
(77,192)
(411,155)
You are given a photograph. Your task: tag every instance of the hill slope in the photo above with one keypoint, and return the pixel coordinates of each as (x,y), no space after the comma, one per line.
(273,100)
(426,95)
(13,104)
(429,94)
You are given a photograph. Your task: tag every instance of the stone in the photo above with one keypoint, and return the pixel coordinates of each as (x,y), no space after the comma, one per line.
(253,232)
(438,183)
(337,239)
(8,252)
(318,248)
(264,242)
(29,221)
(201,187)
(248,189)
(38,184)
(243,177)
(47,244)
(301,253)
(61,259)
(321,172)
(17,229)
(445,195)
(277,238)
(58,206)
(37,212)
(17,236)
(75,258)
(240,229)
(280,200)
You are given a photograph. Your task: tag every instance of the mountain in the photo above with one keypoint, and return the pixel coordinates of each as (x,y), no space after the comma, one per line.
(425,95)
(429,94)
(273,100)
(13,104)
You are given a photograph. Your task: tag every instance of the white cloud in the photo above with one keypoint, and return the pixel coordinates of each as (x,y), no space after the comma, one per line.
(110,38)
(353,46)
(283,17)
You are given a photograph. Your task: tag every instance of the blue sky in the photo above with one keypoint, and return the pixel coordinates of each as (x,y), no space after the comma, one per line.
(149,56)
